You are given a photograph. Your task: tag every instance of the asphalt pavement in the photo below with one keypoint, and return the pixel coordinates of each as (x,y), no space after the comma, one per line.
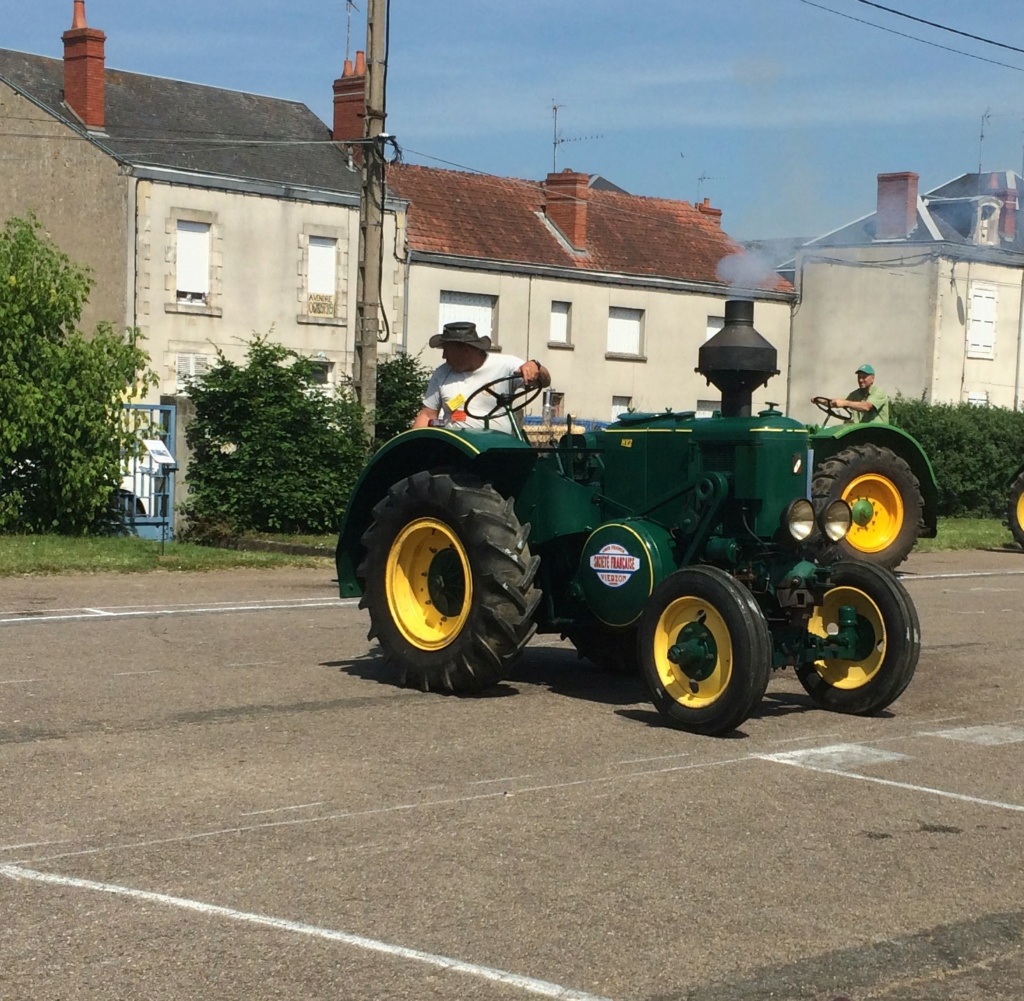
(212,789)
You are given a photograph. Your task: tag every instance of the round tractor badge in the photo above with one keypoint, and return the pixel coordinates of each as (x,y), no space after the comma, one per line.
(614,565)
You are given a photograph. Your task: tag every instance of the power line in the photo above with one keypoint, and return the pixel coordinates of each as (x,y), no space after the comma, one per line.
(913,38)
(941,27)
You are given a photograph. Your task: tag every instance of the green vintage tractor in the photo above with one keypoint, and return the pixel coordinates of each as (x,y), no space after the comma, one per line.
(884,475)
(686,548)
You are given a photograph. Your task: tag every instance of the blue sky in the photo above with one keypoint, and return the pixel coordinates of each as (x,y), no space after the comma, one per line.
(781,112)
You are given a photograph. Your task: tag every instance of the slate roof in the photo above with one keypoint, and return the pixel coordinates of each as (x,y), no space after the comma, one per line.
(944,215)
(156,122)
(482,217)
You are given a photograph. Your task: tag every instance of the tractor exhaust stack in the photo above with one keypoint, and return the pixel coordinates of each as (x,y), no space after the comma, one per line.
(737,360)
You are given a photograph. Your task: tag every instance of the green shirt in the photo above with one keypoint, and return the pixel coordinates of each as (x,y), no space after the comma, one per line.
(877,399)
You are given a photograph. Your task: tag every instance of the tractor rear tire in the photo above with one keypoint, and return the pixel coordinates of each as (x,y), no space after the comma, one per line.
(1015,510)
(885,495)
(726,660)
(448,581)
(890,642)
(605,648)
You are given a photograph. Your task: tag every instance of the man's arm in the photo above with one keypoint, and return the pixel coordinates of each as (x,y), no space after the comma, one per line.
(534,374)
(424,417)
(863,405)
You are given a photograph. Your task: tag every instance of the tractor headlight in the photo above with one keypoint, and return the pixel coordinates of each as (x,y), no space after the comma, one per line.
(799,519)
(836,520)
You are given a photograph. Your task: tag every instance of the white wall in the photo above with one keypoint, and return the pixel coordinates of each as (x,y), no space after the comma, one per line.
(258,277)
(674,327)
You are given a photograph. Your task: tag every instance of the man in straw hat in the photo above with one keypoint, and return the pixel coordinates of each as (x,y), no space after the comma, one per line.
(468,365)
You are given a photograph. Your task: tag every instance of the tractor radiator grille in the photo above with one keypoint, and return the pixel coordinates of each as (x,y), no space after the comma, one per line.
(718,458)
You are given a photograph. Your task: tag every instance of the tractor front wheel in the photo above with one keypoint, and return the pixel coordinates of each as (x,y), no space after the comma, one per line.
(1015,510)
(448,582)
(705,650)
(884,496)
(888,643)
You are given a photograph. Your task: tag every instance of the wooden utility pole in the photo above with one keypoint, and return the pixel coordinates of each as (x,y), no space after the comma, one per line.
(371,215)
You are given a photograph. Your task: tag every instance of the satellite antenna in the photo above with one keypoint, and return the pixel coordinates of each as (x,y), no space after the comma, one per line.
(557,139)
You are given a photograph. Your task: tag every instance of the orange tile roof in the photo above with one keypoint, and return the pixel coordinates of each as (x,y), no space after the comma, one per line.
(501,219)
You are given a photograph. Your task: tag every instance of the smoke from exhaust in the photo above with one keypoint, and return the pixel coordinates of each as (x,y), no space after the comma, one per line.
(746,272)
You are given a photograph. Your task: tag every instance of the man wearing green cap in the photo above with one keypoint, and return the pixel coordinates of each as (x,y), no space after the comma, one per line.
(867,402)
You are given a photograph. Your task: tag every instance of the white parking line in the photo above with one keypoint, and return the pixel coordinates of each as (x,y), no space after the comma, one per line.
(794,761)
(94,614)
(529,984)
(908,578)
(283,809)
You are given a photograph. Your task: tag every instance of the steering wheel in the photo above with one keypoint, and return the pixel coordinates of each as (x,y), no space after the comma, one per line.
(507,401)
(824,403)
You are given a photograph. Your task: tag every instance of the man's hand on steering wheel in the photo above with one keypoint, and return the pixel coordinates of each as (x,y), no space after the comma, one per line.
(508,400)
(829,406)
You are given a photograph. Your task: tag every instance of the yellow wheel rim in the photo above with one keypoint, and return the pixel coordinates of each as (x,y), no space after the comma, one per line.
(683,690)
(878,529)
(849,673)
(428,583)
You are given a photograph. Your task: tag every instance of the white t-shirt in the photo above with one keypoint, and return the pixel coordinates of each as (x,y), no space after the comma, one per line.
(448,391)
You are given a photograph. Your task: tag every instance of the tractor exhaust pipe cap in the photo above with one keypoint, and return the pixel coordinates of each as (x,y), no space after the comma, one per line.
(737,360)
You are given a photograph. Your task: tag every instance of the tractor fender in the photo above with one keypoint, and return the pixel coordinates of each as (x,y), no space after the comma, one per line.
(496,457)
(826,442)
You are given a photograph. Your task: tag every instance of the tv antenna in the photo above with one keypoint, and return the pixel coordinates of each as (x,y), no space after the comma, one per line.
(981,135)
(700,180)
(557,138)
(349,7)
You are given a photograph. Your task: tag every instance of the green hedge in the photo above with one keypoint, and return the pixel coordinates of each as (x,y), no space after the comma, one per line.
(974,451)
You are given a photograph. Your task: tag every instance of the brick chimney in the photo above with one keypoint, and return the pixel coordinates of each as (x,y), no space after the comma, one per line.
(84,61)
(704,208)
(565,204)
(350,101)
(896,215)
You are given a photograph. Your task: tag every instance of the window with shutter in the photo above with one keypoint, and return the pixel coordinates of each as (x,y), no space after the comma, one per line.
(624,331)
(192,262)
(561,313)
(981,321)
(190,368)
(321,283)
(479,309)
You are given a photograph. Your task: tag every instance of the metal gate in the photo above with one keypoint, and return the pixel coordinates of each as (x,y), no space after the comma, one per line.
(147,486)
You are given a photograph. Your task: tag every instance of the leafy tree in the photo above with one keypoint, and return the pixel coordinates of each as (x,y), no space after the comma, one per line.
(61,431)
(271,452)
(401,381)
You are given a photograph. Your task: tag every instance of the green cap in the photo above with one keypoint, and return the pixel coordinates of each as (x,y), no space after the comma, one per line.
(866,369)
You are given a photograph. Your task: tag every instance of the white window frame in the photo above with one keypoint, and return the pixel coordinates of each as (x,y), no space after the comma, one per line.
(560,333)
(621,405)
(981,319)
(625,332)
(192,262)
(715,323)
(475,307)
